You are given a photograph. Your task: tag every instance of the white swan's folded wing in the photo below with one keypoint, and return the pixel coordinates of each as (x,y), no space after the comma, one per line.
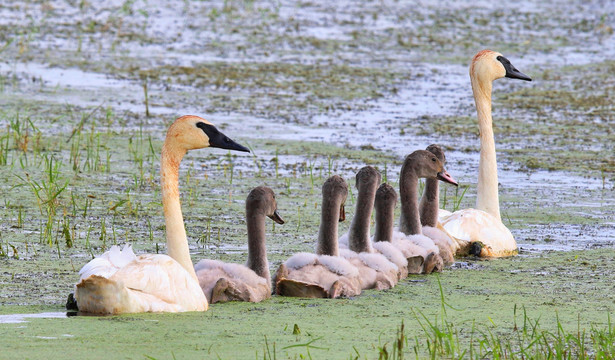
(471,225)
(108,263)
(163,277)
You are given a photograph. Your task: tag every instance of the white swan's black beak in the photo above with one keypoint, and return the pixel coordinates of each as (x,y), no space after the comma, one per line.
(276,217)
(218,139)
(446,177)
(511,70)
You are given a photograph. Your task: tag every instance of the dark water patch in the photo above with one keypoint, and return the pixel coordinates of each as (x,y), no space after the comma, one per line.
(466,265)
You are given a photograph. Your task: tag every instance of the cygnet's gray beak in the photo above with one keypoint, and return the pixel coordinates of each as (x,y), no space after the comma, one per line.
(276,217)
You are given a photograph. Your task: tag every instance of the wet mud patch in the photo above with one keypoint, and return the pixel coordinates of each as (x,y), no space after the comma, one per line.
(342,31)
(571,124)
(306,89)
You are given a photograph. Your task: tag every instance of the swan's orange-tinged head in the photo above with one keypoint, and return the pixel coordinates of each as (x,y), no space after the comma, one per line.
(192,132)
(488,65)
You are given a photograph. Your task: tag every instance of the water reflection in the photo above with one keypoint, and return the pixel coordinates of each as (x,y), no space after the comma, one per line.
(21,318)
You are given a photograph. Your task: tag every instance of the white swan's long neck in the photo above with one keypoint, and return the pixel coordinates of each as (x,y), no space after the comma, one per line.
(257,250)
(177,242)
(487,192)
(410,221)
(327,233)
(358,235)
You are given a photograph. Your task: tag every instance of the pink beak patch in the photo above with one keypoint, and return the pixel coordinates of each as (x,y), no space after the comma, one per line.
(446,177)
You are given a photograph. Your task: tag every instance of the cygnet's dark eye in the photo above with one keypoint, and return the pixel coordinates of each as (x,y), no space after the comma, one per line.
(433,159)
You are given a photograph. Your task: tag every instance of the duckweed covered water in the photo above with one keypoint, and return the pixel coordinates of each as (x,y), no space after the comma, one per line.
(571,288)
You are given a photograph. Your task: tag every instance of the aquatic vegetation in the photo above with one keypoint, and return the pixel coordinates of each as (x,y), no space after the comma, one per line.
(527,339)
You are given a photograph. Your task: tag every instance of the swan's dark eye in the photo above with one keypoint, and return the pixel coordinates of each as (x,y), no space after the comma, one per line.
(503,60)
(210,130)
(433,159)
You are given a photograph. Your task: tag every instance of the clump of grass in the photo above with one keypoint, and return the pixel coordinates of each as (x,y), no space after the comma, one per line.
(47,192)
(604,341)
(526,340)
(460,192)
(267,352)
(146,97)
(308,345)
(21,135)
(397,349)
(4,250)
(66,232)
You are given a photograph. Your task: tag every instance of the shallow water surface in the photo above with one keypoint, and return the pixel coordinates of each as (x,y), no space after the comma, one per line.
(22,318)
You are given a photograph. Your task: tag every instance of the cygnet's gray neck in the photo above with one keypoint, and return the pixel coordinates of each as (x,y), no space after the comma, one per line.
(384,222)
(257,249)
(358,235)
(410,221)
(430,203)
(327,234)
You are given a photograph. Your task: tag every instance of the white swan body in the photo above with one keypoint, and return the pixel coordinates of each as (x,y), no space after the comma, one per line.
(442,213)
(120,282)
(109,262)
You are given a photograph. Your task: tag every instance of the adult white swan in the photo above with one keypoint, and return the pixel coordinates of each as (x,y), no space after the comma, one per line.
(120,282)
(480,231)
